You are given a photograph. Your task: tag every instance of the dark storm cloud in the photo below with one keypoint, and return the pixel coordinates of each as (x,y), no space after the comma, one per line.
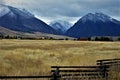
(67,8)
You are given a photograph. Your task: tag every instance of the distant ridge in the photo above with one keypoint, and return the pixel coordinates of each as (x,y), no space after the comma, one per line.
(37,35)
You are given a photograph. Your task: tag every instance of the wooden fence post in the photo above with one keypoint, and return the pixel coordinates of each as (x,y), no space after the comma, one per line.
(56,74)
(103,69)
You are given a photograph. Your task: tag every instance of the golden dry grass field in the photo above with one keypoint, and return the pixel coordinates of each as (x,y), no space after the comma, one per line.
(35,57)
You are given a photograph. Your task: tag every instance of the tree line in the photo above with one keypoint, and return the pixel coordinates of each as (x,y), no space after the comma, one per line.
(52,38)
(30,38)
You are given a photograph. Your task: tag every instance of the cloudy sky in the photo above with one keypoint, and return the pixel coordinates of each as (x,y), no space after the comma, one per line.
(68,10)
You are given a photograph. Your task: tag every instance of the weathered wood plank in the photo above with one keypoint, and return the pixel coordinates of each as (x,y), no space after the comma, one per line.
(117,59)
(78,70)
(75,66)
(83,74)
(21,77)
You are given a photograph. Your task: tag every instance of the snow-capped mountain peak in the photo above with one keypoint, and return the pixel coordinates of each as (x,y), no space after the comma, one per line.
(4,9)
(21,20)
(97,24)
(96,17)
(61,26)
(21,12)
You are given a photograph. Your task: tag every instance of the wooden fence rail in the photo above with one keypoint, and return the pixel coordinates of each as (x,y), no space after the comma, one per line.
(23,77)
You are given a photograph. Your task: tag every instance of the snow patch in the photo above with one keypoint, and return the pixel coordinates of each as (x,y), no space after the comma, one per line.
(60,25)
(21,12)
(26,12)
(96,17)
(4,10)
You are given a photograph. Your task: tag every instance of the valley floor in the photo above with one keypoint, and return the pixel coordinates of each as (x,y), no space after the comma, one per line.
(35,57)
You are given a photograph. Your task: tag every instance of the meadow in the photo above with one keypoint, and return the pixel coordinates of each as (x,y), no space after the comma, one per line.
(35,57)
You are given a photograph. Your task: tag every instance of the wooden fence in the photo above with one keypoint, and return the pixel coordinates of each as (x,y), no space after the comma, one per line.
(107,69)
(79,72)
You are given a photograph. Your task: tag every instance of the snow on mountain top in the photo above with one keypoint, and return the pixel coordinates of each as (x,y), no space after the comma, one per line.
(26,12)
(21,12)
(65,24)
(4,9)
(96,17)
(61,26)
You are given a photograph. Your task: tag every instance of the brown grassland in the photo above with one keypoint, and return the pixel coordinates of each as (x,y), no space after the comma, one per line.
(35,57)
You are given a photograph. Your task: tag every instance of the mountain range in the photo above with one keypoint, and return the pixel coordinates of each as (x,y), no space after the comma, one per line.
(20,22)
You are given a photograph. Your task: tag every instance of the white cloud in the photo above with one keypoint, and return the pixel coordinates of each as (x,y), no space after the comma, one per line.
(1,2)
